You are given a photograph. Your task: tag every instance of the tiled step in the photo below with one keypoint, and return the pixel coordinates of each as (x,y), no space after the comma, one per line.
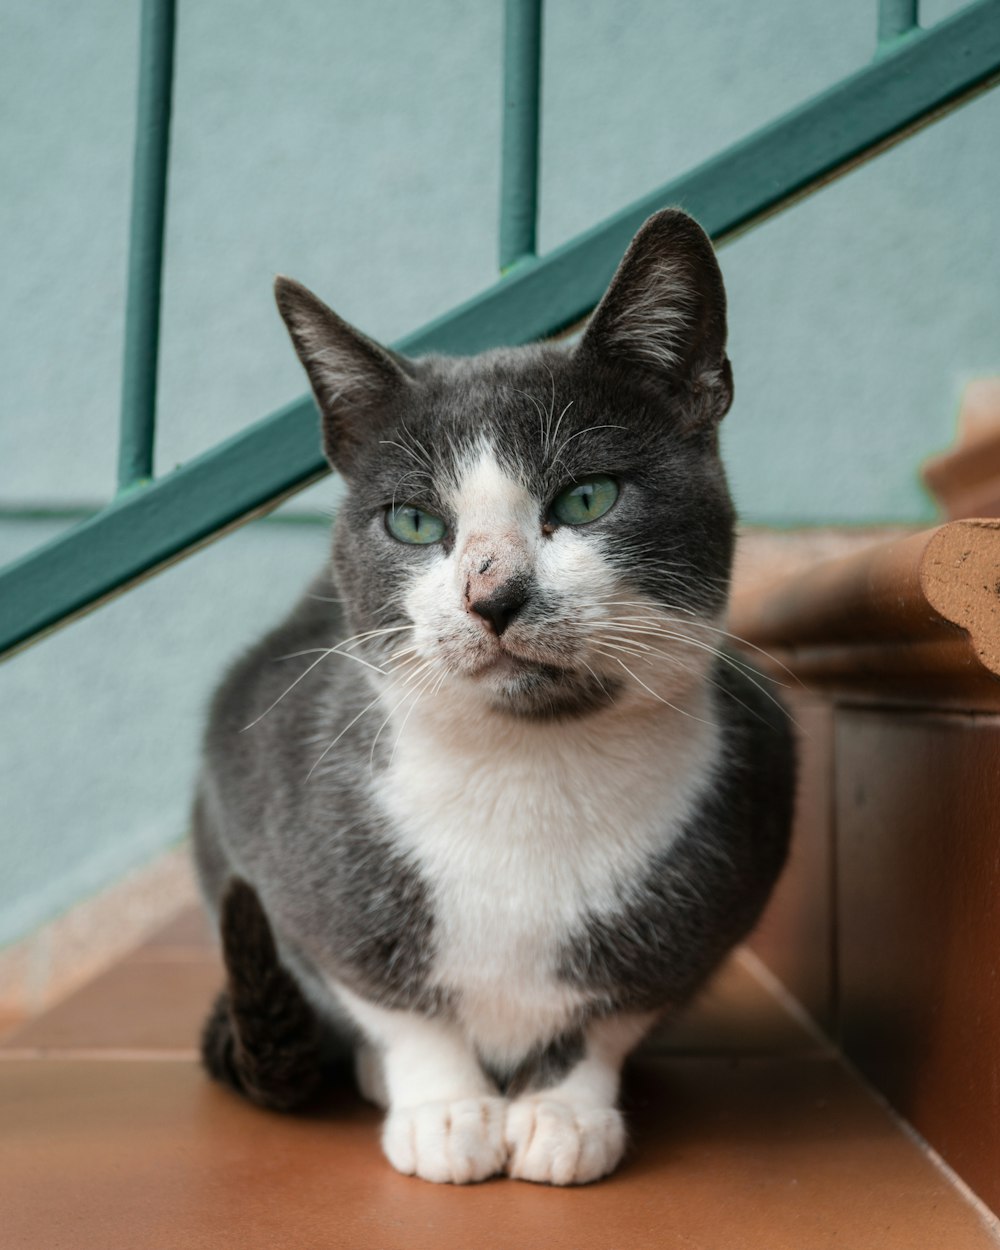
(886,919)
(746,1133)
(151,1003)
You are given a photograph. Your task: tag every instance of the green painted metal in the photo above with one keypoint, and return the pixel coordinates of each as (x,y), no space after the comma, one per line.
(145,262)
(920,79)
(519,155)
(895,18)
(66,513)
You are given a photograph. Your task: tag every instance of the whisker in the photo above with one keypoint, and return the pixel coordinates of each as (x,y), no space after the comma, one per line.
(618,647)
(555,432)
(552,408)
(659,696)
(656,614)
(420,694)
(396,655)
(699,673)
(409,695)
(287,690)
(349,724)
(590,428)
(356,639)
(733,663)
(347,655)
(538,409)
(596,678)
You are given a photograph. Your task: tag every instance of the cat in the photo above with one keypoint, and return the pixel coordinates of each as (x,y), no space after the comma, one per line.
(515,802)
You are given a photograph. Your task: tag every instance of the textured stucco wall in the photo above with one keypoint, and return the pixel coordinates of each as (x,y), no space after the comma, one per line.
(356,147)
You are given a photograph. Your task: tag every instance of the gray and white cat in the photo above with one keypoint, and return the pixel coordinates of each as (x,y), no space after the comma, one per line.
(518,802)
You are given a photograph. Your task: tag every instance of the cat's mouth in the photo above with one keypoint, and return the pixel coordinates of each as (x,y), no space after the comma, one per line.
(522,680)
(506,661)
(529,686)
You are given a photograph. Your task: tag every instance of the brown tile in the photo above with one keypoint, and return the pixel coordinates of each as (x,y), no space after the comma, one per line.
(759,1155)
(135,1006)
(9,1021)
(189,932)
(155,1001)
(55,960)
(918,798)
(735,1014)
(795,935)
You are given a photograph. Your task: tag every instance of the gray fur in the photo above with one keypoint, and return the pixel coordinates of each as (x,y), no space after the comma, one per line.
(648,392)
(706,893)
(540,1068)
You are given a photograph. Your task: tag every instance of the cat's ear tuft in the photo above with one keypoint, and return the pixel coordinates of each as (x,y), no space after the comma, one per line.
(356,381)
(663,317)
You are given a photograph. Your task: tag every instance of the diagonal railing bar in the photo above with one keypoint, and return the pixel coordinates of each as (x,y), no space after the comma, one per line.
(919,80)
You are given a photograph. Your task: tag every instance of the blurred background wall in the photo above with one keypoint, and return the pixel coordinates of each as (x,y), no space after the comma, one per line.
(356,147)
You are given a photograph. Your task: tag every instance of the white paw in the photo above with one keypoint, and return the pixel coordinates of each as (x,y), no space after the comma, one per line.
(447,1141)
(559,1144)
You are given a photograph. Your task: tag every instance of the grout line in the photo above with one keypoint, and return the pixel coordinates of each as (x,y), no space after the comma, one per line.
(185,1054)
(756,967)
(987,1216)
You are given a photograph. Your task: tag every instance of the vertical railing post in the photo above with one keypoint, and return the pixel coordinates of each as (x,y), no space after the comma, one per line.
(521,99)
(145,261)
(895,18)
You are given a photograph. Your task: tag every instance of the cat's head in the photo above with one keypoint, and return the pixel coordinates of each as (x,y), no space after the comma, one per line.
(548,527)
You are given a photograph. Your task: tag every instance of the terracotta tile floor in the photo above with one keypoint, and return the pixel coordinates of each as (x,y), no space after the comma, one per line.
(746,1134)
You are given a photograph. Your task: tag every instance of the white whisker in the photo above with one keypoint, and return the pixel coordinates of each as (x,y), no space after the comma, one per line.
(349,724)
(651,691)
(284,692)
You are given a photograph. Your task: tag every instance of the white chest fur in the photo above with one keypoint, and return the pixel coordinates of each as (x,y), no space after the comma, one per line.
(520,830)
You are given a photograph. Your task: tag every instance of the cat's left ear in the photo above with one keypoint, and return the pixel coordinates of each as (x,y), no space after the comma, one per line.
(663,318)
(356,381)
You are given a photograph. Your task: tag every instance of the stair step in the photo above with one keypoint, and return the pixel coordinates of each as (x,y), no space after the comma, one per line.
(745,1132)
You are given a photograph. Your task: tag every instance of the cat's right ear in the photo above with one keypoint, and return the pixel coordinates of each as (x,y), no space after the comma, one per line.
(356,381)
(663,318)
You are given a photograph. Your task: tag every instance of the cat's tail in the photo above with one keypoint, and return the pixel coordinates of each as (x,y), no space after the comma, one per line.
(261,1037)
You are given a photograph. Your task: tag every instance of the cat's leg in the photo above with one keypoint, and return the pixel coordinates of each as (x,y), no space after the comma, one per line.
(261,1037)
(369,1076)
(445,1120)
(571,1131)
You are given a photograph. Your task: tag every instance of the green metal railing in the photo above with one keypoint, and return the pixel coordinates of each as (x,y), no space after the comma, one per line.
(916,76)
(522,85)
(145,262)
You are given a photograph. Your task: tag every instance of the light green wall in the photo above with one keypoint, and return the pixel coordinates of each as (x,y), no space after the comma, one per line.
(357,148)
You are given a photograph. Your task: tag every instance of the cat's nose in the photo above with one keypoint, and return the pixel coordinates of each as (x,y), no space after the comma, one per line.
(499,609)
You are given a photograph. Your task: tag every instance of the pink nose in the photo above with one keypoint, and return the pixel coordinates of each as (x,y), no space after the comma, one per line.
(497,579)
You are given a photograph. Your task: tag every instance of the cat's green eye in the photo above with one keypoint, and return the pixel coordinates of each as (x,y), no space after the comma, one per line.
(584,501)
(414,525)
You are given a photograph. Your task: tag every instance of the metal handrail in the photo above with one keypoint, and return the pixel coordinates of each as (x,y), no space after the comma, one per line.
(917,77)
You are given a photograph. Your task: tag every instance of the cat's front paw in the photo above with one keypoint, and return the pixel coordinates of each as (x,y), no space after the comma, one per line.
(456,1142)
(556,1143)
